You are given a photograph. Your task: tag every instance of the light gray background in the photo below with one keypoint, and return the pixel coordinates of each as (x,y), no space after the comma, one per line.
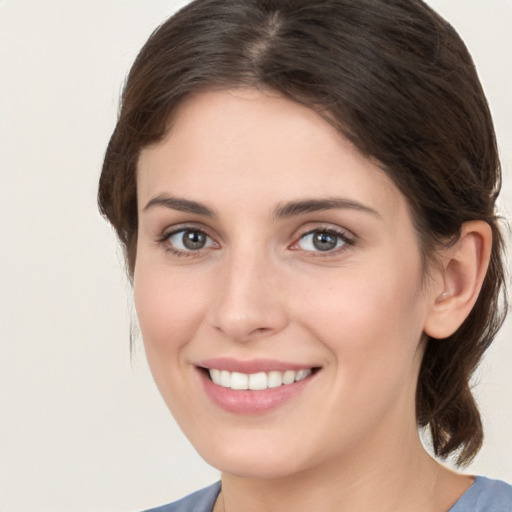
(81,427)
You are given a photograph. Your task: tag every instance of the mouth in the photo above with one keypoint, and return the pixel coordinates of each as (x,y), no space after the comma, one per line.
(258,381)
(254,387)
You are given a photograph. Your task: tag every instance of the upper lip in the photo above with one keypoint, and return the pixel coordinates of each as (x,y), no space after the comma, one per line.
(251,366)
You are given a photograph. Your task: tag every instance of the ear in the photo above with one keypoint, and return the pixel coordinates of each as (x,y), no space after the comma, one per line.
(460,278)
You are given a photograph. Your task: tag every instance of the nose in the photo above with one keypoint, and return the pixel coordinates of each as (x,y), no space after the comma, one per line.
(248,303)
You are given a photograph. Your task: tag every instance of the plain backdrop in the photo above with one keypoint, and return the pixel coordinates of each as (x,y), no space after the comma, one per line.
(82,427)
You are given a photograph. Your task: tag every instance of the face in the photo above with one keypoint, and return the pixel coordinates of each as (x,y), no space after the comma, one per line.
(278,285)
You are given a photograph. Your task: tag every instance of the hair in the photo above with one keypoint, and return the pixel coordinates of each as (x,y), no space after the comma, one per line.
(397,81)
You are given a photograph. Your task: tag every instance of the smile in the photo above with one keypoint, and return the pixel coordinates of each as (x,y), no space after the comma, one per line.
(257,381)
(254,387)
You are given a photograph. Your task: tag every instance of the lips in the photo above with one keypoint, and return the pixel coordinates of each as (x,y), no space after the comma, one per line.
(253,387)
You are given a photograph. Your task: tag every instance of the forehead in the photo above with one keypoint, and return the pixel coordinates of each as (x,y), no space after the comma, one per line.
(234,144)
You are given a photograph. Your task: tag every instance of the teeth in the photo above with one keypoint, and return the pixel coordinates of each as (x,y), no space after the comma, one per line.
(215,375)
(274,379)
(239,381)
(225,379)
(289,377)
(257,381)
(302,374)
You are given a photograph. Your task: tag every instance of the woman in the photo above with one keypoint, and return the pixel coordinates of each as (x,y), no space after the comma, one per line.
(305,192)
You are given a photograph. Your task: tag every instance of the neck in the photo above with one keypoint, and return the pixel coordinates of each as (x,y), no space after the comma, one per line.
(402,477)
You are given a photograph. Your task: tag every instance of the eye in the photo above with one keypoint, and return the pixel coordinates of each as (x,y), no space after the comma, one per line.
(323,240)
(188,240)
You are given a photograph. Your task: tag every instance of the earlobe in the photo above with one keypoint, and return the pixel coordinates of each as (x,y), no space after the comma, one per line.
(463,271)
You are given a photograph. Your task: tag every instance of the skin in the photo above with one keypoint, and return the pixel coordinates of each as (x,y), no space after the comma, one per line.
(260,289)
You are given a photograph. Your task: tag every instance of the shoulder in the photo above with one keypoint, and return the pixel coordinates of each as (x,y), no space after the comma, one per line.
(485,495)
(199,501)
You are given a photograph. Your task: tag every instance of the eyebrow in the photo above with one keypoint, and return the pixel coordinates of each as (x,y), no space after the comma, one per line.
(179,204)
(294,208)
(283,211)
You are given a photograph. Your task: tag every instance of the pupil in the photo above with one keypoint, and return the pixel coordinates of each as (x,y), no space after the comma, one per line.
(194,240)
(324,241)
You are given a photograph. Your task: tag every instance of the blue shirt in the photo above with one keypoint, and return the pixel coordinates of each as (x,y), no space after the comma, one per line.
(485,495)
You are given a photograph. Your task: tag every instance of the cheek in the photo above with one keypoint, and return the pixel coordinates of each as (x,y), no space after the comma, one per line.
(168,309)
(373,332)
(370,320)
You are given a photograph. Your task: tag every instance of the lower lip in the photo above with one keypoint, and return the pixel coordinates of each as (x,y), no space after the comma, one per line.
(252,402)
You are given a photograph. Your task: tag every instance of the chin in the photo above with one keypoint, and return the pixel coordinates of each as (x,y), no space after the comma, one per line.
(254,463)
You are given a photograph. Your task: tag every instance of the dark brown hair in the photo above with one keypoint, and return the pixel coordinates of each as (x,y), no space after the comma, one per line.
(398,82)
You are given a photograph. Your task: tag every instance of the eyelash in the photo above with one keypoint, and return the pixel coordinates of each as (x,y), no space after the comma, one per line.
(166,236)
(346,240)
